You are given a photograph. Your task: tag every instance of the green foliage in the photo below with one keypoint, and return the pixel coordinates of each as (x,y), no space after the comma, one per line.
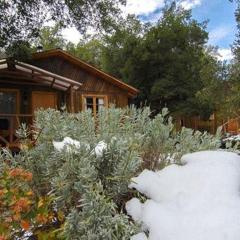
(236,44)
(232,97)
(19,50)
(19,20)
(22,19)
(89,189)
(79,176)
(89,50)
(178,51)
(163,145)
(51,38)
(164,61)
(122,50)
(232,94)
(98,218)
(215,78)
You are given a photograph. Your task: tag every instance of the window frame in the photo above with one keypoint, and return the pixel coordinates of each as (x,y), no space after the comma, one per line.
(94,97)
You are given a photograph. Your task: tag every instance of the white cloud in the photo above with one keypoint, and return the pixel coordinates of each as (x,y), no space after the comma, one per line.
(219,33)
(225,54)
(138,7)
(143,7)
(189,4)
(71,34)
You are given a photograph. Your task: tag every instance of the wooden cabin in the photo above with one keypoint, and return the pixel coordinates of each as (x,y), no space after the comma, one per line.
(54,79)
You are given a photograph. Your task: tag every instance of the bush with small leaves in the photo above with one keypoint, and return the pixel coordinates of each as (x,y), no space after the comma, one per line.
(88,180)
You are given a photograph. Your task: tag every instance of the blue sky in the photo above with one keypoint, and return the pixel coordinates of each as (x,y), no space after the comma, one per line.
(222,25)
(220,13)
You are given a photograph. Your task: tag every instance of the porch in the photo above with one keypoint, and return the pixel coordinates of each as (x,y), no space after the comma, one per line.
(23,90)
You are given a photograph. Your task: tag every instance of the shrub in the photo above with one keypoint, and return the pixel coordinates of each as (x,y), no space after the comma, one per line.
(88,188)
(20,209)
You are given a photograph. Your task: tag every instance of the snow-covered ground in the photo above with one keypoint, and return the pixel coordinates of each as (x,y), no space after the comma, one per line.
(197,201)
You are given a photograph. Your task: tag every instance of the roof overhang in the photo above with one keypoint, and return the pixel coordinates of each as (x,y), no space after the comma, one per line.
(21,72)
(89,68)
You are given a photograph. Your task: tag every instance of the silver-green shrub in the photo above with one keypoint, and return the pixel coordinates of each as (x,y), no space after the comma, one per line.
(90,189)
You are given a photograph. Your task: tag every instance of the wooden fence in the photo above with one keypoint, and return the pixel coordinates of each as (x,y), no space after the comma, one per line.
(231,126)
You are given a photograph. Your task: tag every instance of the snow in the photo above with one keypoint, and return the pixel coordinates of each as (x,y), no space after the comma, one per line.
(140,236)
(100,148)
(70,144)
(199,200)
(134,209)
(232,138)
(66,143)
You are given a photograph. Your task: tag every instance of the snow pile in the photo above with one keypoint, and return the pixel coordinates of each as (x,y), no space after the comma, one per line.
(70,144)
(199,200)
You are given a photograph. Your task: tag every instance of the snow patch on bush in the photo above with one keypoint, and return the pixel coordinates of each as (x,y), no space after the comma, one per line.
(100,148)
(199,200)
(70,145)
(232,138)
(67,143)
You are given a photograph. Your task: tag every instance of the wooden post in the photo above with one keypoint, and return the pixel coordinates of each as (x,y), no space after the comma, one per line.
(215,122)
(237,126)
(71,100)
(11,130)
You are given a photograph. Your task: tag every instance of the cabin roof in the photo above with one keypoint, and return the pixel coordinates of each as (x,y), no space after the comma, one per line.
(89,68)
(21,70)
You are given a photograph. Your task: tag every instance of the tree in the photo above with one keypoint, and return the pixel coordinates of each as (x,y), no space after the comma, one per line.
(19,50)
(89,50)
(236,44)
(22,19)
(123,54)
(232,103)
(164,61)
(121,47)
(215,79)
(177,45)
(50,38)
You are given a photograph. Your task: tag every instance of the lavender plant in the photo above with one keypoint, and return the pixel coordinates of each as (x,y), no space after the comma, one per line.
(91,188)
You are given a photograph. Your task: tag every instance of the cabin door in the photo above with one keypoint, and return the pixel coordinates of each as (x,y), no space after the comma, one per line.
(43,100)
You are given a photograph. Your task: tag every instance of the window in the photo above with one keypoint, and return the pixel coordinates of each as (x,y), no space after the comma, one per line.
(8,105)
(94,102)
(8,101)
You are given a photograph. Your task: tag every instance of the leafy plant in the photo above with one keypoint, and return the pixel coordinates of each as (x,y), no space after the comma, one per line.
(89,183)
(20,209)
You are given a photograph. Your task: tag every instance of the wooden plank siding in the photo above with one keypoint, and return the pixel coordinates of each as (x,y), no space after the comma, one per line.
(91,84)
